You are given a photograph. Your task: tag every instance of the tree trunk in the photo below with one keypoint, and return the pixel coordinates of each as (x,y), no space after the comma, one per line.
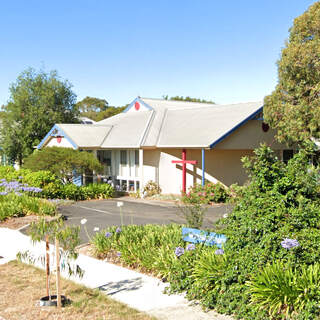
(58,273)
(48,266)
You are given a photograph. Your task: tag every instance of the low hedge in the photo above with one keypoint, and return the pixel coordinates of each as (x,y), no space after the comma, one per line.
(15,205)
(53,188)
(72,192)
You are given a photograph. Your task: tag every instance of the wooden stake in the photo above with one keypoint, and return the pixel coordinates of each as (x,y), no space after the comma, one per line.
(58,273)
(47,265)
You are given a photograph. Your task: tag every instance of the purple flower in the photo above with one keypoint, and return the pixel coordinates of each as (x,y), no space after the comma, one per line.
(118,230)
(3,193)
(179,251)
(289,243)
(108,234)
(190,247)
(219,251)
(118,254)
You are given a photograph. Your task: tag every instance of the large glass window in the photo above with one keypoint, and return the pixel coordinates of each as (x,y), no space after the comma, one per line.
(123,157)
(104,156)
(136,162)
(123,162)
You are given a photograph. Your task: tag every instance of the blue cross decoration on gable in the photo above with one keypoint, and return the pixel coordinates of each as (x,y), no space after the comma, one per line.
(201,236)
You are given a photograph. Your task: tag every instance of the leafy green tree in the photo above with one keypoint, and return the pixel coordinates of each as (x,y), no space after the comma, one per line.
(187,98)
(92,104)
(38,100)
(97,109)
(293,108)
(63,162)
(98,116)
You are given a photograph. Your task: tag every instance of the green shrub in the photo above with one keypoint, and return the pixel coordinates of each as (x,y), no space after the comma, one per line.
(13,205)
(53,188)
(283,289)
(140,245)
(92,191)
(235,192)
(281,201)
(210,192)
(207,273)
(9,173)
(38,179)
(53,191)
(62,162)
(98,191)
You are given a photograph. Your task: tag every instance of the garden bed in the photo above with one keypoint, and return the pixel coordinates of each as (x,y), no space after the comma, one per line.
(18,222)
(268,268)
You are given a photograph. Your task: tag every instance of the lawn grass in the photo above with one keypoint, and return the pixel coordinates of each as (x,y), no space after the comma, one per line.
(21,287)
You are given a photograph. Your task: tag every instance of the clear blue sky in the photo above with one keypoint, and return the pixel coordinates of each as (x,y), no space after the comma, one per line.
(225,51)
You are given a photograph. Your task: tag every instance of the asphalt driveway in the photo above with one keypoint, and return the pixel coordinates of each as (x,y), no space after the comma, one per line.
(103,213)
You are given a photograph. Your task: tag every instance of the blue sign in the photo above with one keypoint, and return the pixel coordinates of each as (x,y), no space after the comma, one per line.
(201,236)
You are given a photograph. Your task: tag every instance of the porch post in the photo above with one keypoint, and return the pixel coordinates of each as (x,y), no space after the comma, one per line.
(141,170)
(94,176)
(203,167)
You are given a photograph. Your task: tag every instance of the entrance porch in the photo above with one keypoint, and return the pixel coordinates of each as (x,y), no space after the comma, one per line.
(121,168)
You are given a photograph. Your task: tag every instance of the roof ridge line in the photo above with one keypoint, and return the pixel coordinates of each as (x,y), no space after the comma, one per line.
(147,128)
(211,106)
(104,139)
(178,101)
(160,129)
(162,123)
(204,103)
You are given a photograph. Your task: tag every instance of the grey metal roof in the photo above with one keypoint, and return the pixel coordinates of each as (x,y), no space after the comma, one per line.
(164,123)
(202,126)
(85,136)
(128,130)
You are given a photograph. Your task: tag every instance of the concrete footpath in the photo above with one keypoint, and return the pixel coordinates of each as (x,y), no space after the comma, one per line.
(137,290)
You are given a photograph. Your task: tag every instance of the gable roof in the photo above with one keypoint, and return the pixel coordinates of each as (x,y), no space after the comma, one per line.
(79,135)
(202,126)
(163,123)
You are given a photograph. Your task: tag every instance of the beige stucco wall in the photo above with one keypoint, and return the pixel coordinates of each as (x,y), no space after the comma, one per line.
(151,165)
(249,136)
(220,165)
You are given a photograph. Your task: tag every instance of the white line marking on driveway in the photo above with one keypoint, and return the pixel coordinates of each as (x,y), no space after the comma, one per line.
(97,210)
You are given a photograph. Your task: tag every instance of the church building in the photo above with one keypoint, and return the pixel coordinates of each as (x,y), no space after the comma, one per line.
(173,143)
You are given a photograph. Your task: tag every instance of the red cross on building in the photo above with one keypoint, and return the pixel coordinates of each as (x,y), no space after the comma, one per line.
(184,162)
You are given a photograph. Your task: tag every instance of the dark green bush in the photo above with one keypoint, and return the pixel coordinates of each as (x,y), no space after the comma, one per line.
(62,162)
(281,201)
